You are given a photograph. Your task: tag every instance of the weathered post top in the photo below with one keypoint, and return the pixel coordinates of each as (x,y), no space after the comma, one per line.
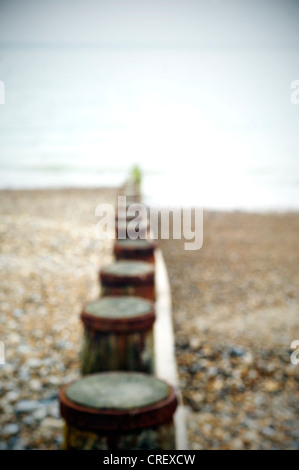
(117,401)
(119,313)
(123,272)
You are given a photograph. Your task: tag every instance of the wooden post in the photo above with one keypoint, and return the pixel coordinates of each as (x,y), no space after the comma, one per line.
(138,250)
(118,411)
(118,335)
(128,278)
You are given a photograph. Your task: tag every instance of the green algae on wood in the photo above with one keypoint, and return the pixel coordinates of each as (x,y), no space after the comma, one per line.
(154,438)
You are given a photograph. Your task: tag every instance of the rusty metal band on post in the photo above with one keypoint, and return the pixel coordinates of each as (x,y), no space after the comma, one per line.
(91,419)
(118,325)
(111,279)
(134,251)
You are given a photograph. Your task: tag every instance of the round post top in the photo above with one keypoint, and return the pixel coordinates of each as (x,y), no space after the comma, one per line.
(138,245)
(124,272)
(118,314)
(117,401)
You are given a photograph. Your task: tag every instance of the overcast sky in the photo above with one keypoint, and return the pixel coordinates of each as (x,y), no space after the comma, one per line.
(268,23)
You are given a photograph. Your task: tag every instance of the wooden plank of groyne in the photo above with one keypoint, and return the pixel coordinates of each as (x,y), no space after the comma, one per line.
(165,365)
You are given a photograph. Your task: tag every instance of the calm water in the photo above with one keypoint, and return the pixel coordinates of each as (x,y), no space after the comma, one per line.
(208,126)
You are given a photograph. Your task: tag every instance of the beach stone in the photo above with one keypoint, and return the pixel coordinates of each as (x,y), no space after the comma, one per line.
(18,312)
(50,399)
(12,396)
(53,410)
(268,431)
(14,338)
(236,444)
(217,385)
(19,444)
(29,420)
(40,413)
(67,345)
(271,386)
(212,371)
(24,373)
(53,380)
(34,363)
(236,351)
(23,349)
(10,429)
(250,437)
(194,343)
(26,406)
(52,423)
(248,358)
(193,368)
(35,384)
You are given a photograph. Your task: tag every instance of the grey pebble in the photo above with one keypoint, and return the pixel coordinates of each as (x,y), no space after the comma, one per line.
(53,410)
(12,396)
(40,413)
(28,420)
(34,362)
(19,444)
(24,373)
(18,312)
(212,371)
(26,406)
(268,431)
(236,351)
(10,429)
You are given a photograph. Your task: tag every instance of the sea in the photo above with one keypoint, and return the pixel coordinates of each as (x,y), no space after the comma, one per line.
(215,127)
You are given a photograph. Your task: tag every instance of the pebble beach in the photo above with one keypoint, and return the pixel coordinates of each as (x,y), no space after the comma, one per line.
(235,314)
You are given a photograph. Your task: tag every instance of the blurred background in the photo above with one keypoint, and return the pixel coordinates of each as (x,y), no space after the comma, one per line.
(197,93)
